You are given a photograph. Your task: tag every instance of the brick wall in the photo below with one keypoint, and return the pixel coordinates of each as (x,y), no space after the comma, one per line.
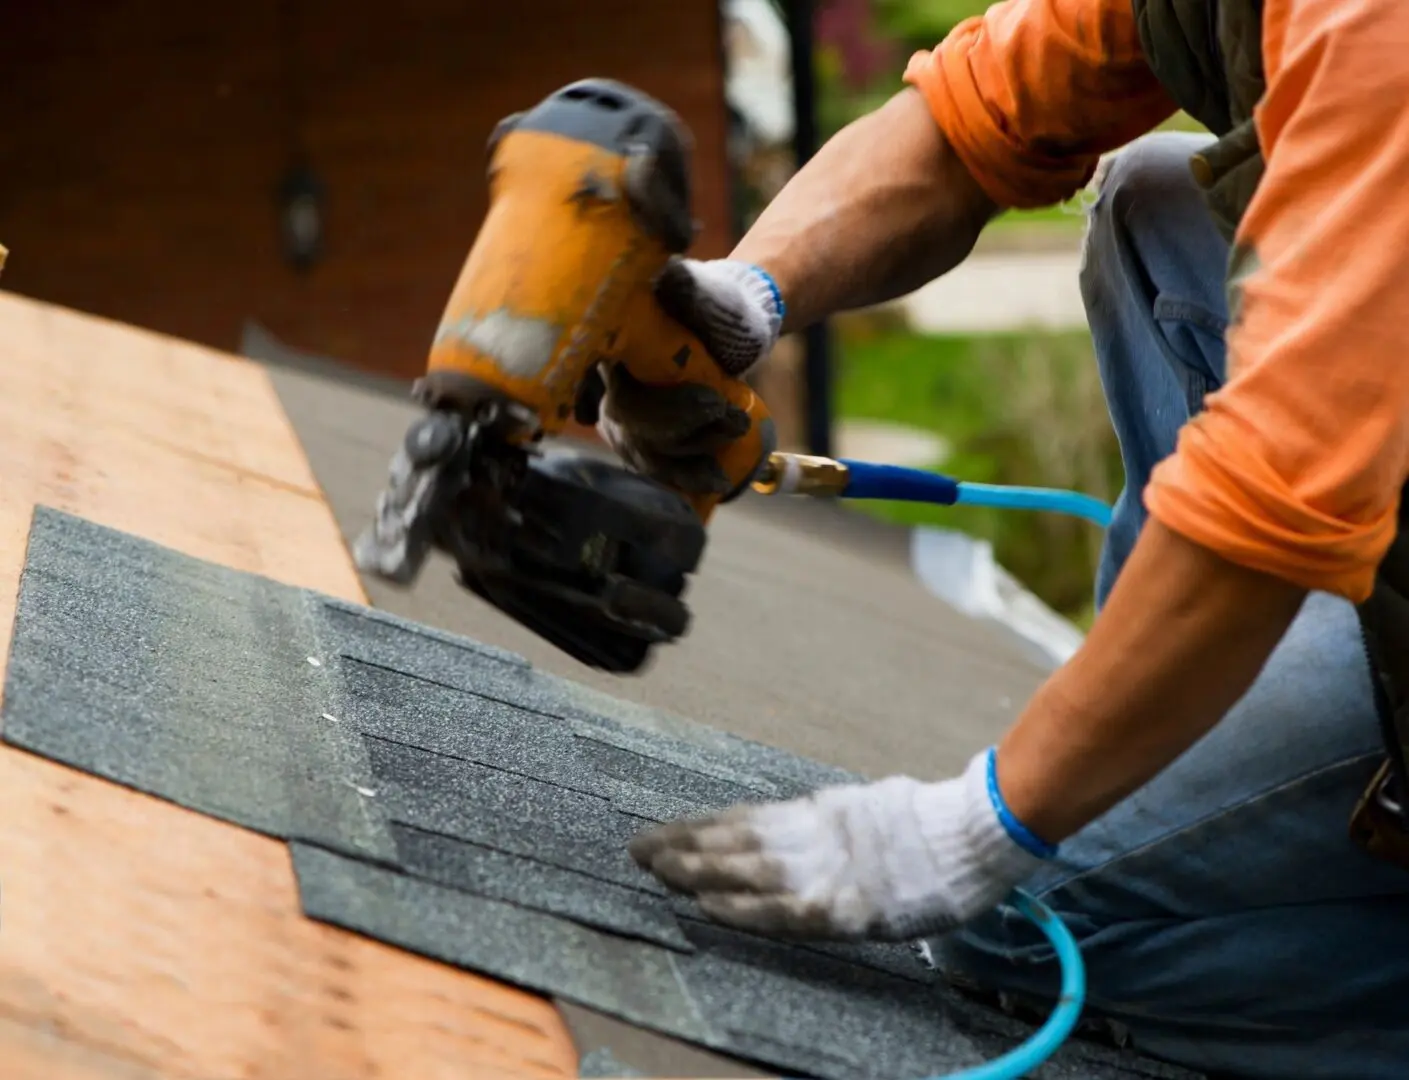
(143,142)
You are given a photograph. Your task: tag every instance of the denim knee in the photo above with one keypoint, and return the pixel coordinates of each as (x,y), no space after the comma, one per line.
(1153,282)
(1145,194)
(1152,271)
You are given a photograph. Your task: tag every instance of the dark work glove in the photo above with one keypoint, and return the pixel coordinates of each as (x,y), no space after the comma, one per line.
(674,433)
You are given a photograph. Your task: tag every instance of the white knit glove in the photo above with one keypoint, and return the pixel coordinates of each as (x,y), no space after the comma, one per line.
(674,433)
(894,860)
(733,307)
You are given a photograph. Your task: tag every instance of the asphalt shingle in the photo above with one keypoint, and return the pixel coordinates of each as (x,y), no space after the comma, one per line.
(501,875)
(450,799)
(185,680)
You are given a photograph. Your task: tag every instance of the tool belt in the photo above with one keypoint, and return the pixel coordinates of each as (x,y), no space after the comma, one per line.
(1380,821)
(1378,824)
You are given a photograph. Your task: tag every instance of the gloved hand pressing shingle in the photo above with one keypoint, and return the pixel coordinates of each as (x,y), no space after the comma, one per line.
(893,860)
(673,433)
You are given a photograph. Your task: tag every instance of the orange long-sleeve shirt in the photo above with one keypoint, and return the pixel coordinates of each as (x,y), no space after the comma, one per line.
(1295,466)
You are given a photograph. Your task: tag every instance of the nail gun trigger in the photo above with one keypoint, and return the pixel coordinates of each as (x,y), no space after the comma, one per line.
(587,408)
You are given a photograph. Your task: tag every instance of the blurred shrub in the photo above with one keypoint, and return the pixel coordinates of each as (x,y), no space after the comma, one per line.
(1014,409)
(922,24)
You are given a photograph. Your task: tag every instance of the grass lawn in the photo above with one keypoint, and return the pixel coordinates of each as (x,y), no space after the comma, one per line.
(1066,216)
(1016,409)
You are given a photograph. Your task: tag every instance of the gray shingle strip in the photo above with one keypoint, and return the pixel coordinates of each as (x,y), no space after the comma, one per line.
(734,976)
(394,644)
(462,724)
(186,681)
(798,1014)
(645,985)
(391,706)
(477,812)
(498,875)
(441,655)
(385,641)
(527,948)
(650,1053)
(771,772)
(897,960)
(867,1022)
(659,776)
(693,767)
(509,812)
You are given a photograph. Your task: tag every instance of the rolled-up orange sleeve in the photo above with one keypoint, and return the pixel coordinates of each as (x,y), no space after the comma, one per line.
(1032,92)
(1295,466)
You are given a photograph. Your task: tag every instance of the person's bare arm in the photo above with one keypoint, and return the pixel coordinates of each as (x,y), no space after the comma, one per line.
(882,208)
(1182,637)
(1294,469)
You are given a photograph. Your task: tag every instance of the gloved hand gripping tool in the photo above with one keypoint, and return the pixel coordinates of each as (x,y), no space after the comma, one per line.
(589,199)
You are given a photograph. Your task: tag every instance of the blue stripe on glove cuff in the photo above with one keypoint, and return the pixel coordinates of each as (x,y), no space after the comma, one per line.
(1019,833)
(773,288)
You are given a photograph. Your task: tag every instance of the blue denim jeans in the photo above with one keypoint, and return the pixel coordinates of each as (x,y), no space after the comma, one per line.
(1227,921)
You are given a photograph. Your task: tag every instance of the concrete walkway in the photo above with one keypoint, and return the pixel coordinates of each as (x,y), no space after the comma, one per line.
(1002,292)
(894,444)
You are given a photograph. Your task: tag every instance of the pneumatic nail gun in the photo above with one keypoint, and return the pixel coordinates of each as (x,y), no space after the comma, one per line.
(589,197)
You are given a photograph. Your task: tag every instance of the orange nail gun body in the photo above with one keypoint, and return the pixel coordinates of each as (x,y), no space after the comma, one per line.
(589,198)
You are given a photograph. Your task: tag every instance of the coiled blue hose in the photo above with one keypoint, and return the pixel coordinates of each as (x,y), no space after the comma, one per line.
(867,480)
(1028,1055)
(1042,1043)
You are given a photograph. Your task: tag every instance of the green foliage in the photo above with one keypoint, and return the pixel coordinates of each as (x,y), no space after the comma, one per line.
(922,24)
(909,25)
(1182,121)
(1015,409)
(838,106)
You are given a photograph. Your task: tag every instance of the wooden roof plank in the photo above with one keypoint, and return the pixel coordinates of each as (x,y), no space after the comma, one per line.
(144,940)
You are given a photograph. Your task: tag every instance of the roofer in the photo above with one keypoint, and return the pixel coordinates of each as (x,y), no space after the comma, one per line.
(1182,790)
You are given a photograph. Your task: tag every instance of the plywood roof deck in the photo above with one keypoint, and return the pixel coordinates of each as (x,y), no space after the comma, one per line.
(138,939)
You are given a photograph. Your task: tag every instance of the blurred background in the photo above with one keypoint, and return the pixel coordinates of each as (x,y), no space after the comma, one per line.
(300,180)
(987,374)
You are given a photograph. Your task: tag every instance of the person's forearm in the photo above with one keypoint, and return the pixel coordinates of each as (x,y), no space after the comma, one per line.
(1181,638)
(882,208)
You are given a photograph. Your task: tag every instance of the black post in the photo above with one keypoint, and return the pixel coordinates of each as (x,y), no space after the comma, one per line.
(817,375)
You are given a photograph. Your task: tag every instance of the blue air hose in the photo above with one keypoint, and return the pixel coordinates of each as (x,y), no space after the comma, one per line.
(866,480)
(871,481)
(796,474)
(1042,1043)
